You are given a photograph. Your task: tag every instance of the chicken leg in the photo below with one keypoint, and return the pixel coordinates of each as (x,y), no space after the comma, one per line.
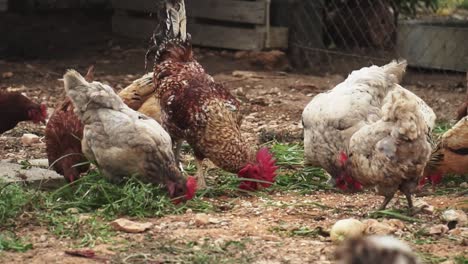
(177,148)
(406,188)
(200,175)
(388,198)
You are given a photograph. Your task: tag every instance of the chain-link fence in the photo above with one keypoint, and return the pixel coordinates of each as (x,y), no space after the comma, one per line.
(342,35)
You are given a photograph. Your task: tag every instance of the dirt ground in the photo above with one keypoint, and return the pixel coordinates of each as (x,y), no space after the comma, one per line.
(252,229)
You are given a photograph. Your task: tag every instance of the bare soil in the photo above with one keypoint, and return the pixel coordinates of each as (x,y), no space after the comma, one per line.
(258,229)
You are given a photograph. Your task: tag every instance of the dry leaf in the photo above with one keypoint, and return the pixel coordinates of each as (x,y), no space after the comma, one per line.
(128,226)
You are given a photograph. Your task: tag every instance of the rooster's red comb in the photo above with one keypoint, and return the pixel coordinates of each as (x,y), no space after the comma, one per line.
(191,187)
(343,158)
(266,165)
(44,110)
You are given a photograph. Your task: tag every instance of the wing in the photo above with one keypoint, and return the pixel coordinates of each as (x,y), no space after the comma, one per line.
(135,95)
(456,139)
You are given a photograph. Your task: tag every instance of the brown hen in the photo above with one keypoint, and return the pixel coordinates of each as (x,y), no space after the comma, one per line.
(15,108)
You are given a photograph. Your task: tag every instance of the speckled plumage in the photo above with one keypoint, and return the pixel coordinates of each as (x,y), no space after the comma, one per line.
(375,249)
(331,118)
(391,153)
(384,128)
(199,110)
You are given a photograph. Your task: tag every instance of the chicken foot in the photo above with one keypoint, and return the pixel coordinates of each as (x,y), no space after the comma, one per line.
(200,175)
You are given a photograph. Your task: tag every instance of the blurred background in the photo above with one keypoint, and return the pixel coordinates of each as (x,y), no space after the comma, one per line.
(320,37)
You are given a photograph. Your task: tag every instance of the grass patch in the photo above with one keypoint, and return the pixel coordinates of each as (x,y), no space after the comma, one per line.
(207,251)
(393,214)
(441,128)
(431,259)
(422,237)
(461,260)
(10,242)
(81,210)
(303,231)
(13,200)
(93,192)
(88,230)
(293,175)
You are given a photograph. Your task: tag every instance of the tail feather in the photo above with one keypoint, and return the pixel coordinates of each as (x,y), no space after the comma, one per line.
(176,19)
(171,31)
(396,69)
(404,112)
(381,79)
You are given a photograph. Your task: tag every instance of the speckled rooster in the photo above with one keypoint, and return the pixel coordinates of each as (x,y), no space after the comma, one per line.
(199,110)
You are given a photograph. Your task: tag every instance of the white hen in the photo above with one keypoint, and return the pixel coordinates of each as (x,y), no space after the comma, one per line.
(333,117)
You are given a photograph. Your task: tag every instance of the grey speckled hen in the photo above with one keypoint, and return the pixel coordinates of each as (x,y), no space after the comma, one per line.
(122,141)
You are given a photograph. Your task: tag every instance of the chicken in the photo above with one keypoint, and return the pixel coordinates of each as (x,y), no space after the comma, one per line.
(391,153)
(63,135)
(199,110)
(375,249)
(64,130)
(450,155)
(140,97)
(15,108)
(331,119)
(123,142)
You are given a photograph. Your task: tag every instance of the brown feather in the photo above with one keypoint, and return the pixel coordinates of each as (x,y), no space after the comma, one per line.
(63,141)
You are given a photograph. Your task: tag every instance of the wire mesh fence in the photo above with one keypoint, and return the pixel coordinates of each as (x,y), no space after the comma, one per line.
(342,35)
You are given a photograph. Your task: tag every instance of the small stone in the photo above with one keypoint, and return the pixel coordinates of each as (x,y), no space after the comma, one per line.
(201,219)
(243,74)
(438,230)
(128,226)
(72,210)
(43,238)
(212,220)
(424,207)
(448,262)
(29,139)
(462,232)
(457,218)
(464,185)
